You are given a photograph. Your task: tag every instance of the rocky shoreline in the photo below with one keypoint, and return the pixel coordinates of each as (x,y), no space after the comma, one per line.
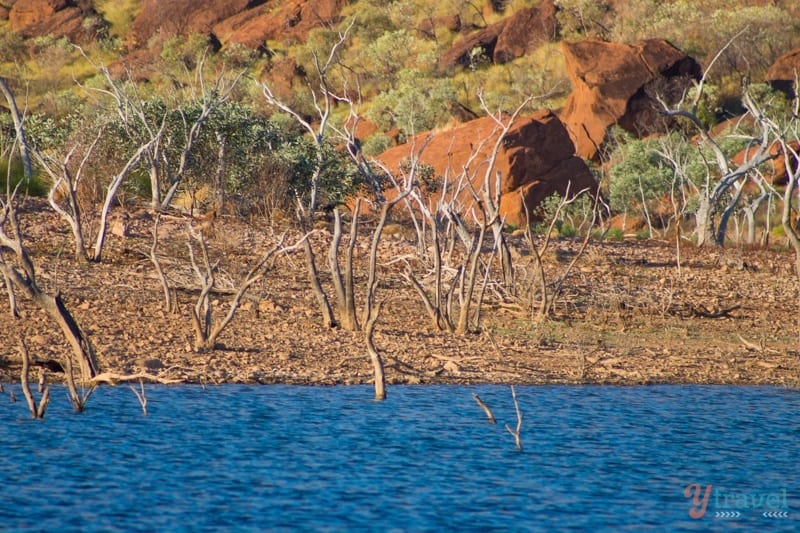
(628,316)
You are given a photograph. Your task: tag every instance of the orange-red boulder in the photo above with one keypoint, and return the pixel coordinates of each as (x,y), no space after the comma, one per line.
(26,13)
(474,47)
(59,18)
(248,22)
(506,40)
(535,160)
(525,30)
(430,27)
(180,17)
(773,170)
(783,74)
(283,21)
(615,84)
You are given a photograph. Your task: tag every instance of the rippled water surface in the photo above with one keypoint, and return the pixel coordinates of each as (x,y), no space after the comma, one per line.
(260,458)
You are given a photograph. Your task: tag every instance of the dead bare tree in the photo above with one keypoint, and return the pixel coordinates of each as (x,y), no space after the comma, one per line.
(374,355)
(516,432)
(537,291)
(452,221)
(323,99)
(729,181)
(787,138)
(141,396)
(491,195)
(206,332)
(431,228)
(439,294)
(343,283)
(170,304)
(342,312)
(37,411)
(22,144)
(19,272)
(485,408)
(65,183)
(12,297)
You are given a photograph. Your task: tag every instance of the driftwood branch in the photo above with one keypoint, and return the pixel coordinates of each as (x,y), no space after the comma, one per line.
(485,408)
(111,378)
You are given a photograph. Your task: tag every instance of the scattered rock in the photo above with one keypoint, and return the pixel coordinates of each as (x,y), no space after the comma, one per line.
(287,22)
(151,364)
(526,30)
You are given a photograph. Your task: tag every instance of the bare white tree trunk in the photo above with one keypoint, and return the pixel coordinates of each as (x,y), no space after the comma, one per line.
(374,355)
(24,151)
(111,194)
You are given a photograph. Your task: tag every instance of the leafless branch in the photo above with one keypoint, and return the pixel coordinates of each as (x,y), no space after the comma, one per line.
(516,432)
(485,408)
(141,396)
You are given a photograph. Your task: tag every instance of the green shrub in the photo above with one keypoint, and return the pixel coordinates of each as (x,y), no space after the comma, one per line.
(567,230)
(419,102)
(119,14)
(614,234)
(376,144)
(572,220)
(32,187)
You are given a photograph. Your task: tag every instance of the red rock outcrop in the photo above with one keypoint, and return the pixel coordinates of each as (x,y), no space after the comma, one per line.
(461,53)
(429,27)
(526,30)
(180,17)
(612,83)
(26,13)
(783,73)
(536,159)
(248,22)
(508,39)
(59,18)
(283,21)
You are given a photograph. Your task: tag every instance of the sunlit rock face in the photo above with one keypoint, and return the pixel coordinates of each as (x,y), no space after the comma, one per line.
(617,84)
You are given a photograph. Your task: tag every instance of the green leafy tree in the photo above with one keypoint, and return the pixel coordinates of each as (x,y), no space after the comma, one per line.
(417,103)
(640,178)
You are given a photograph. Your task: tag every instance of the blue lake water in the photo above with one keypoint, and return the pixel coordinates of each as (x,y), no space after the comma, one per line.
(242,458)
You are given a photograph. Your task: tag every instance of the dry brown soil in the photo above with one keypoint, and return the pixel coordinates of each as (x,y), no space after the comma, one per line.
(628,315)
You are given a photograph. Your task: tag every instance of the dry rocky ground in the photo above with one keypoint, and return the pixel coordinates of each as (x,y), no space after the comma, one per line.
(628,315)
